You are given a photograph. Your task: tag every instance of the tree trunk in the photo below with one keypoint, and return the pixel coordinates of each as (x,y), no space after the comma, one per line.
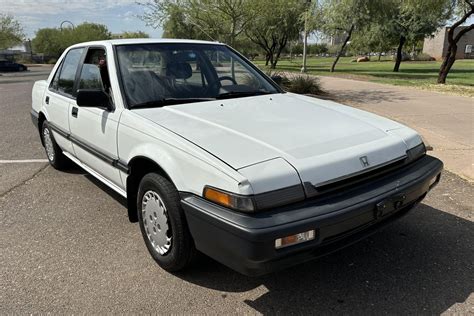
(277,57)
(343,47)
(399,53)
(448,62)
(450,58)
(272,64)
(380,55)
(267,58)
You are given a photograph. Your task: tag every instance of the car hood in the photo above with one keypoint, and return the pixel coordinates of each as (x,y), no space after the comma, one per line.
(322,140)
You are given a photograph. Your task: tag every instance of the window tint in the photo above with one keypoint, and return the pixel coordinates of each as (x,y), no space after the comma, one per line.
(157,72)
(54,82)
(90,77)
(94,74)
(68,71)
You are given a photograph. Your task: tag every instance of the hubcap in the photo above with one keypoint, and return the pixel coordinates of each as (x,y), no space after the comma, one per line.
(155,221)
(48,144)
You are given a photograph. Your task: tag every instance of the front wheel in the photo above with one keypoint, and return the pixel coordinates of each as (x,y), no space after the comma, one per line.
(54,153)
(163,224)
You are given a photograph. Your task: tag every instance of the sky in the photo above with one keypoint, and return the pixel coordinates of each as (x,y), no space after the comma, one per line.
(117,15)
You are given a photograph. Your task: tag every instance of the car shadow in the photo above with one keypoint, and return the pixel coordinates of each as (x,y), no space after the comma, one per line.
(422,263)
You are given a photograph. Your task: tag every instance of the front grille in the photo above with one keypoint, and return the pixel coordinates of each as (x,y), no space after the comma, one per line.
(279,197)
(351,181)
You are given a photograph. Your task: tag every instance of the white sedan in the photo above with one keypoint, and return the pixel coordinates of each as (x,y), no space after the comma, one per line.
(213,156)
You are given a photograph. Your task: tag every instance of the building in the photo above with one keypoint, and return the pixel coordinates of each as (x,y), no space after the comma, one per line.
(437,46)
(17,51)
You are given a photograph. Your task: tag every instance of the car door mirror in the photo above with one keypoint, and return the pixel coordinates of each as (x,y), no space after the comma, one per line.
(93,98)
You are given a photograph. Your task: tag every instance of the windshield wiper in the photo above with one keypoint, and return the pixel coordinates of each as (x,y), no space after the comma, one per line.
(168,101)
(237,94)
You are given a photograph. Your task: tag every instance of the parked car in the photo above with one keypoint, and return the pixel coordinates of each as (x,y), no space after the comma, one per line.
(6,65)
(213,156)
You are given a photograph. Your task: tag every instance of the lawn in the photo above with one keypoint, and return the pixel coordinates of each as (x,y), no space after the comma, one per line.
(416,74)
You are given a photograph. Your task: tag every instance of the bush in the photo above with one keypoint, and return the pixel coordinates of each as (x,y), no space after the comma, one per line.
(304,84)
(423,57)
(298,83)
(52,61)
(405,57)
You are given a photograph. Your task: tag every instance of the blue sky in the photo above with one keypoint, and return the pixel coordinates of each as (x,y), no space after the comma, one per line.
(118,15)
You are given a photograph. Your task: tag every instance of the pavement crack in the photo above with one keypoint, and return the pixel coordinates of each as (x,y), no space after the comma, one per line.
(24,182)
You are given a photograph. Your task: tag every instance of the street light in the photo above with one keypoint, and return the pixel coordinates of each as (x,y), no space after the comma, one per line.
(66,21)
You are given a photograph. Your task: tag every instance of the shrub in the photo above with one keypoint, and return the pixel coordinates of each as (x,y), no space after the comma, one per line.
(52,61)
(423,57)
(297,83)
(305,84)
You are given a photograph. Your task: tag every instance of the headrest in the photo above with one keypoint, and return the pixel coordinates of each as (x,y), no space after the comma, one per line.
(179,70)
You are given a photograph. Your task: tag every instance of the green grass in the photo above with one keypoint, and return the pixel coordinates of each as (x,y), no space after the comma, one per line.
(421,74)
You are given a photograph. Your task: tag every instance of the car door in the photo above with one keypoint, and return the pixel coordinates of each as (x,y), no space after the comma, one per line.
(59,97)
(94,129)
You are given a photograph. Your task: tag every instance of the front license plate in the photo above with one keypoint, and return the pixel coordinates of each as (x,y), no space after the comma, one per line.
(390,205)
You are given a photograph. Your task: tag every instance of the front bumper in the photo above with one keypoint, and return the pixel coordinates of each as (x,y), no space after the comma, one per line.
(246,242)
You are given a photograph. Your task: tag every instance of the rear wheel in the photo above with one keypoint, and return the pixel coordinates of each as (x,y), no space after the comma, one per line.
(163,224)
(55,155)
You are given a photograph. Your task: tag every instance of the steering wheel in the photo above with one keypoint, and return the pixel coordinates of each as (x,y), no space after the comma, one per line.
(219,79)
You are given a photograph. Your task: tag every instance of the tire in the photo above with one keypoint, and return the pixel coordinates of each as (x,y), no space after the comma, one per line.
(54,153)
(163,224)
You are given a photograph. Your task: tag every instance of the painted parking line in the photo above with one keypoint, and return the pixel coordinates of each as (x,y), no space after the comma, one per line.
(23,161)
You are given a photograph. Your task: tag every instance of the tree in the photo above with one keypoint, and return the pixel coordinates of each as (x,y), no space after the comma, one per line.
(279,21)
(89,32)
(372,38)
(411,20)
(175,26)
(11,32)
(48,41)
(136,34)
(222,20)
(464,8)
(344,17)
(53,41)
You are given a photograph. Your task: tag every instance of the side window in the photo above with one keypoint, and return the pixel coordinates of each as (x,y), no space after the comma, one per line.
(90,77)
(68,71)
(54,82)
(94,73)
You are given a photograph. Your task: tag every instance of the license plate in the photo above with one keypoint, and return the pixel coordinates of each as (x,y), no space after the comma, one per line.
(389,205)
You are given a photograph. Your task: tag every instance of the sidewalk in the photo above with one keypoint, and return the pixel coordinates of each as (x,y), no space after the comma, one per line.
(446,122)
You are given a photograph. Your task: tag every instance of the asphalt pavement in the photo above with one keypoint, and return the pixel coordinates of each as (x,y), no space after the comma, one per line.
(66,246)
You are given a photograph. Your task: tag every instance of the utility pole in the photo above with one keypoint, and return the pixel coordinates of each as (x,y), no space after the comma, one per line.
(305,40)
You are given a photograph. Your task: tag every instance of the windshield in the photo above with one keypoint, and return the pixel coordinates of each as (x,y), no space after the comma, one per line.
(167,73)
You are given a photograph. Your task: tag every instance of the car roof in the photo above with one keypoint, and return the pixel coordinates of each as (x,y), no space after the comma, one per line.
(145,41)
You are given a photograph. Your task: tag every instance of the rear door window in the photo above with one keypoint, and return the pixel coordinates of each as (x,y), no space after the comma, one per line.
(67,76)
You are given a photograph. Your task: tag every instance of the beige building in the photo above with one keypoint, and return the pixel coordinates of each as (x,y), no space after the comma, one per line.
(437,46)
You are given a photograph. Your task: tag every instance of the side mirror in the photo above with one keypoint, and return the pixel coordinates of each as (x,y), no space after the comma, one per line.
(277,79)
(93,98)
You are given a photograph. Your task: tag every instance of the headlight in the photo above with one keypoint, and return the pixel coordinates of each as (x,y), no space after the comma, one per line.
(416,152)
(230,200)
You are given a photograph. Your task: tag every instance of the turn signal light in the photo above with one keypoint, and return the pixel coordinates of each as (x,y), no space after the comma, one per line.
(230,200)
(294,239)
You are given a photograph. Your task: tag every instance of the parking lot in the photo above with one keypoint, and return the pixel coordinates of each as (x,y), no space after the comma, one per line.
(67,247)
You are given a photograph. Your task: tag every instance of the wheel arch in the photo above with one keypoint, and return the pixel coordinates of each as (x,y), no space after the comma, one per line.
(138,167)
(41,119)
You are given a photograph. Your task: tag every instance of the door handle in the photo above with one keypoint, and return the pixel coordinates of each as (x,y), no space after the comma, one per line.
(74,111)
(47,100)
